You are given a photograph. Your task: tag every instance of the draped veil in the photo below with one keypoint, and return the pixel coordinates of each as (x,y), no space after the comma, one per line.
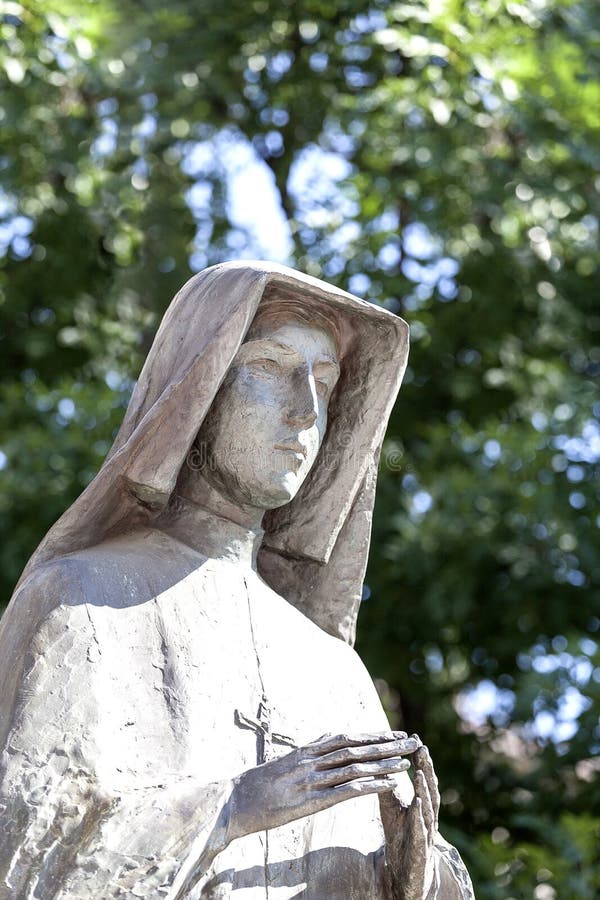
(315,548)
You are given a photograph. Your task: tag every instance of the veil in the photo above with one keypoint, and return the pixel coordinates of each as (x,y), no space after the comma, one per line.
(315,548)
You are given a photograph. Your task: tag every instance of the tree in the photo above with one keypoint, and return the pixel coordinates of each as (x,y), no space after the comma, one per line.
(440,159)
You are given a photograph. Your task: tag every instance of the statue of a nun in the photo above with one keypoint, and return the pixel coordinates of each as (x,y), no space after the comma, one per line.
(182,712)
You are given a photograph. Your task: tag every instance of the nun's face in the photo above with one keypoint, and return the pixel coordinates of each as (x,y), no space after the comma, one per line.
(267,422)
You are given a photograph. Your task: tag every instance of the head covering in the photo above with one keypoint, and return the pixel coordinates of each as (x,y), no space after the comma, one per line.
(315,548)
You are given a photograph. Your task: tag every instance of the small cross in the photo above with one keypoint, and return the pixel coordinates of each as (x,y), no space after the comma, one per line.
(262,727)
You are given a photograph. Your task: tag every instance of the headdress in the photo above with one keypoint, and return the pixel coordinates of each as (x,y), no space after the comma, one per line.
(315,548)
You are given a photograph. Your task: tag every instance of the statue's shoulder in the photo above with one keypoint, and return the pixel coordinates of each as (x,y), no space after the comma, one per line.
(51,599)
(56,580)
(61,585)
(124,551)
(45,623)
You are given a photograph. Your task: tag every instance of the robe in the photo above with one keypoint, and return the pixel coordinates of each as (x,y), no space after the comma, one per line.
(133,673)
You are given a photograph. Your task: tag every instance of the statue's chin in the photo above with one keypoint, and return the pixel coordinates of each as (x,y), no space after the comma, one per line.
(281,489)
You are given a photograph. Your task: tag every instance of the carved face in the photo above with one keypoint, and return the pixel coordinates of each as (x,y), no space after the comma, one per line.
(267,422)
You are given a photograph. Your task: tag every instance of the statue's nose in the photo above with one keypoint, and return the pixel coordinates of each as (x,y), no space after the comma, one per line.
(303,409)
(301,418)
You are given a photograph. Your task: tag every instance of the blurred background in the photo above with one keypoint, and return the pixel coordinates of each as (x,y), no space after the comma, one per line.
(439,158)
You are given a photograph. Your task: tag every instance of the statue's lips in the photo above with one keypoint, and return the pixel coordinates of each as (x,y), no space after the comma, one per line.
(294,450)
(294,447)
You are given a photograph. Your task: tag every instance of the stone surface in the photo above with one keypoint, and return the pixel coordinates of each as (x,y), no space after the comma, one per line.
(182,712)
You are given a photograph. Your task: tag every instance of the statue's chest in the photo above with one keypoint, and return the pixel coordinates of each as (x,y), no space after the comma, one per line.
(210,677)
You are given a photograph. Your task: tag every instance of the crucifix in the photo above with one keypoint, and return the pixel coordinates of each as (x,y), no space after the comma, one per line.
(262,728)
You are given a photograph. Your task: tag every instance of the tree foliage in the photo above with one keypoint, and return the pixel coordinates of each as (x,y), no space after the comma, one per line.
(438,158)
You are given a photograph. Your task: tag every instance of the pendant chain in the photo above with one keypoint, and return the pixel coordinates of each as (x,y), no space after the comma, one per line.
(264,703)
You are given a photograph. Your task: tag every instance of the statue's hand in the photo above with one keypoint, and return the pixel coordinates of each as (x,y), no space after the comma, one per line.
(312,778)
(411,832)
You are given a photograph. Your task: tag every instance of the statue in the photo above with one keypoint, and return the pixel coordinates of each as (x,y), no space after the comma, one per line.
(182,712)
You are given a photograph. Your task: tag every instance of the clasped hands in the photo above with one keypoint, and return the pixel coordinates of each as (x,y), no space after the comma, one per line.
(341,767)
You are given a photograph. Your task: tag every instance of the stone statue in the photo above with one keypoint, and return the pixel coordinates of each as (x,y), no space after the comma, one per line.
(182,712)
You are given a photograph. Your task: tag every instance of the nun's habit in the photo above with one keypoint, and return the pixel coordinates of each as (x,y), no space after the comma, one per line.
(133,667)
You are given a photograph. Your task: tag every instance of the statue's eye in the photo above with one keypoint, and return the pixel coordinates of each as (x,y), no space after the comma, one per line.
(270,366)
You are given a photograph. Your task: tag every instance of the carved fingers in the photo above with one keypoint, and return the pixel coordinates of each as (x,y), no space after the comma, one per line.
(378,769)
(327,771)
(328,743)
(423,812)
(356,788)
(411,831)
(424,767)
(347,765)
(425,807)
(375,748)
